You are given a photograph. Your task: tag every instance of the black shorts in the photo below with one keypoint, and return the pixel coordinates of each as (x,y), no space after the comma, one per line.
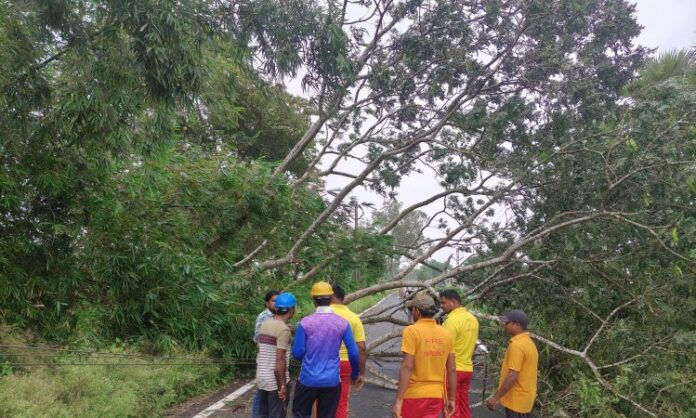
(327,401)
(509,413)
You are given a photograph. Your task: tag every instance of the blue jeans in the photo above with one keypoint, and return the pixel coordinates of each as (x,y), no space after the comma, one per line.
(256,404)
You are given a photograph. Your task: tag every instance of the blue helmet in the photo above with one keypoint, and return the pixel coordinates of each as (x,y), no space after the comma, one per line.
(285,300)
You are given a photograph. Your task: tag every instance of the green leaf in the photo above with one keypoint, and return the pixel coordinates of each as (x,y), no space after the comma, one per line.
(633,145)
(675,235)
(677,271)
(691,183)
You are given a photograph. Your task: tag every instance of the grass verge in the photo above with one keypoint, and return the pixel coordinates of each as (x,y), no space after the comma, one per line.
(367,302)
(72,385)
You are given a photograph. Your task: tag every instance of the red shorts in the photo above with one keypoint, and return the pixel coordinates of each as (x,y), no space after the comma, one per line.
(421,407)
(462,408)
(342,410)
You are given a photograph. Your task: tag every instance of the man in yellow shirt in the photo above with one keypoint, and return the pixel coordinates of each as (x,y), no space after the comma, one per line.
(428,359)
(464,328)
(518,374)
(356,326)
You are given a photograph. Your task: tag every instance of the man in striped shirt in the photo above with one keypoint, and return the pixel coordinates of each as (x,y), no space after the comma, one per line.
(272,376)
(266,314)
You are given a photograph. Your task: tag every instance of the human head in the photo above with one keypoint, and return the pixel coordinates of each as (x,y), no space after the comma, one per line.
(285,304)
(450,300)
(321,293)
(338,294)
(422,306)
(269,299)
(515,322)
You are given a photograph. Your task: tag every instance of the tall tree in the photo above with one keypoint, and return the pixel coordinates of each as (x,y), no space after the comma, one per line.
(501,101)
(135,176)
(87,88)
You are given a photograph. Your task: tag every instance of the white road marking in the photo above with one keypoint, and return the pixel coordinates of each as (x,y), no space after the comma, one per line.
(222,402)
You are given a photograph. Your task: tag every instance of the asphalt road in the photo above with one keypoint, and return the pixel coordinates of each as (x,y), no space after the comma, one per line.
(373,401)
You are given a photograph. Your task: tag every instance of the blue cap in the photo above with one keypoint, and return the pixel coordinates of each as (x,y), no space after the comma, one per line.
(285,300)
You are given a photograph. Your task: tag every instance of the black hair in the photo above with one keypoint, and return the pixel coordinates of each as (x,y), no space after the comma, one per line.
(451,294)
(282,311)
(322,300)
(427,314)
(270,294)
(339,292)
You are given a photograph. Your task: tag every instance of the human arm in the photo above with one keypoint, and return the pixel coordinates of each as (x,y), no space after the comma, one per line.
(514,360)
(405,373)
(353,354)
(298,344)
(508,383)
(451,384)
(362,349)
(280,373)
(359,335)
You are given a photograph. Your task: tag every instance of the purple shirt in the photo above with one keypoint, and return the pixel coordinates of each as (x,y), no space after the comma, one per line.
(317,341)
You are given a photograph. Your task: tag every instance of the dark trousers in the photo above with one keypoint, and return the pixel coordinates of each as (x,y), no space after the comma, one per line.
(270,405)
(255,405)
(327,401)
(512,414)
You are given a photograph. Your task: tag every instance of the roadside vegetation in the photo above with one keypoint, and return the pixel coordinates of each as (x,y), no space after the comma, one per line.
(117,381)
(156,179)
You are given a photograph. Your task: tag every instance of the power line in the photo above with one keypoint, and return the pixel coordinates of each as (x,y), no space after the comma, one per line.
(85,352)
(53,352)
(124,364)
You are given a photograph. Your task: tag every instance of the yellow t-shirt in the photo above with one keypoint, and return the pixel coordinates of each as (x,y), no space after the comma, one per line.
(430,345)
(356,327)
(523,357)
(464,328)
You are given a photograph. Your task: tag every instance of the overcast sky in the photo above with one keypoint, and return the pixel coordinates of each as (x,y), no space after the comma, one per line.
(668,24)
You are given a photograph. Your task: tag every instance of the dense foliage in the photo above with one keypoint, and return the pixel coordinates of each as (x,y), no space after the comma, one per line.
(154,181)
(135,173)
(635,284)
